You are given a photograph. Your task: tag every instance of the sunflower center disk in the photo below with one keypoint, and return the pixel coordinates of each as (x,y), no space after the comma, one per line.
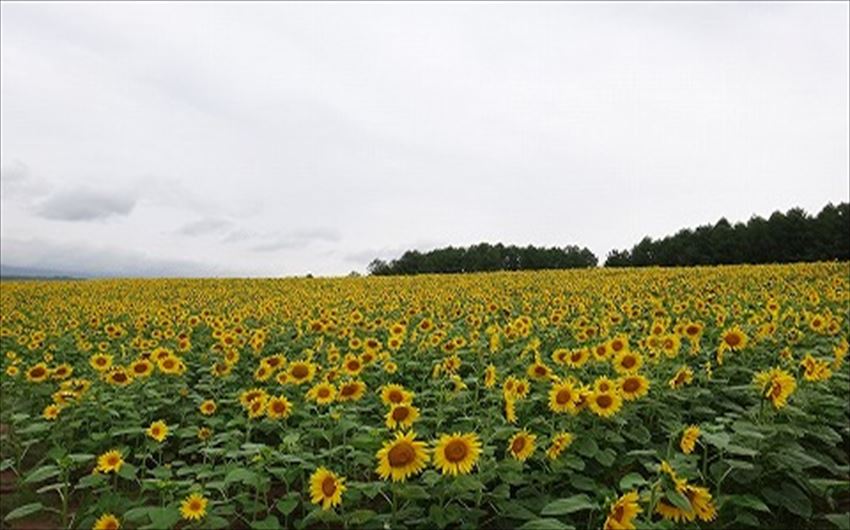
(401,455)
(328,486)
(455,451)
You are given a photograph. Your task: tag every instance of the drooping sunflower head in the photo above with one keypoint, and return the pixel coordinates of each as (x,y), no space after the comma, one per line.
(326,488)
(689,439)
(560,441)
(107,521)
(457,454)
(623,512)
(401,457)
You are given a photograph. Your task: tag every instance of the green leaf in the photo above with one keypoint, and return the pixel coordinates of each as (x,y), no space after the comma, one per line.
(269,523)
(742,451)
(358,517)
(586,446)
(569,505)
(748,501)
(80,458)
(136,515)
(606,457)
(89,481)
(285,506)
(164,517)
(127,471)
(631,481)
(23,511)
(240,475)
(583,483)
(214,522)
(545,524)
(42,473)
(678,500)
(841,520)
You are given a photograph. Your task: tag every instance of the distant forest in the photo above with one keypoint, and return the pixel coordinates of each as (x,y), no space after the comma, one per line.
(792,236)
(782,238)
(485,257)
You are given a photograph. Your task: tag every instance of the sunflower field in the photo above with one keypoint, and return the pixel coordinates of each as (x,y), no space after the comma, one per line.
(607,398)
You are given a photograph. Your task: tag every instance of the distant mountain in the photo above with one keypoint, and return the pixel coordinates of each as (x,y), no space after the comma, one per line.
(9,272)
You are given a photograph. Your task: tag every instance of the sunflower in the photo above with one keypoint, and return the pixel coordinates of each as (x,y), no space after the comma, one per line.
(683,377)
(351,390)
(456,454)
(577,358)
(158,430)
(141,368)
(563,397)
(247,396)
(326,488)
(775,384)
(490,376)
(208,407)
(51,412)
(510,410)
(733,339)
(689,439)
(107,521)
(633,386)
(278,407)
(601,352)
(194,507)
(352,365)
(538,370)
(560,355)
(623,512)
(38,373)
(119,376)
(301,372)
(699,500)
(171,365)
(322,393)
(394,394)
(257,407)
(560,441)
(605,404)
(401,416)
(401,457)
(110,461)
(100,362)
(63,371)
(521,445)
(627,362)
(204,433)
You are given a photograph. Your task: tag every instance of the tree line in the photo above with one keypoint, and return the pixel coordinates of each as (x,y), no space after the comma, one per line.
(787,237)
(485,257)
(792,236)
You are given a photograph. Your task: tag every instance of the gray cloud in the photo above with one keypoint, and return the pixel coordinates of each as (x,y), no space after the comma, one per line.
(203,227)
(545,123)
(83,204)
(80,258)
(298,239)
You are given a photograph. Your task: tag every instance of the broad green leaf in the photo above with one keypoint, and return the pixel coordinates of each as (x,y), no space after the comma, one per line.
(545,524)
(285,506)
(23,511)
(42,473)
(569,505)
(841,520)
(631,481)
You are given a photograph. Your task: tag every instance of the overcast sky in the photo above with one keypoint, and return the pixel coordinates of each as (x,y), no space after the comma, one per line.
(285,138)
